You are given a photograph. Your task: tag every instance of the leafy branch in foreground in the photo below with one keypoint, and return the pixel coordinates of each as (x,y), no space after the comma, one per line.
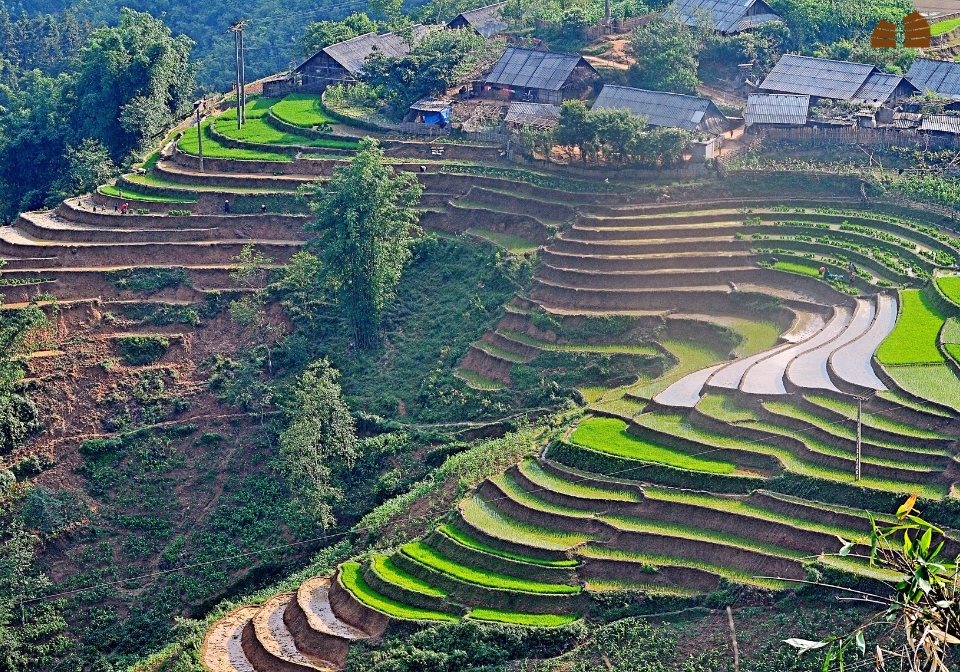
(923,605)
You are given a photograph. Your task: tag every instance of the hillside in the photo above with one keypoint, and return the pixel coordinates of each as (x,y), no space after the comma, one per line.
(685,369)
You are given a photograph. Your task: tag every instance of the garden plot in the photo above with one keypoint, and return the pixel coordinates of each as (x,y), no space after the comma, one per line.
(809,370)
(851,362)
(766,376)
(914,338)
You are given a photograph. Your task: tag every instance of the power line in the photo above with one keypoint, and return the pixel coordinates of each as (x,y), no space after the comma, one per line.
(363,529)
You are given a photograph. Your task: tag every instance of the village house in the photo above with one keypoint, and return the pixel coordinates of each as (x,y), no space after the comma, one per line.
(673,110)
(836,80)
(539,116)
(486,21)
(340,63)
(538,77)
(942,77)
(729,16)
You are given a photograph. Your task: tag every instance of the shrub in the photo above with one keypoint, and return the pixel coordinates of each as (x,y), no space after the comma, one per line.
(18,419)
(147,279)
(142,350)
(7,481)
(179,213)
(98,447)
(143,211)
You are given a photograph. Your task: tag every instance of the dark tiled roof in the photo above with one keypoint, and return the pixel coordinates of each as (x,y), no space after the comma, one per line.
(660,108)
(776,108)
(943,77)
(728,15)
(353,52)
(878,88)
(487,21)
(526,68)
(839,80)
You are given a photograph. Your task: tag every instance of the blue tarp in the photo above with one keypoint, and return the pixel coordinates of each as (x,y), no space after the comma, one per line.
(441,117)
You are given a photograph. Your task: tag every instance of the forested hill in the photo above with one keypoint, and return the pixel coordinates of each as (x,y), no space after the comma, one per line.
(270,39)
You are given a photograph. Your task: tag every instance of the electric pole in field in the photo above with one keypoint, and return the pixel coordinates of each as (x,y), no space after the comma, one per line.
(860,400)
(237,30)
(197,107)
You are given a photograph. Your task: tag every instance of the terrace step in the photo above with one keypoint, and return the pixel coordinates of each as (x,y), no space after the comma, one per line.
(850,366)
(80,211)
(766,375)
(488,365)
(637,262)
(610,234)
(706,244)
(809,370)
(269,644)
(664,277)
(316,630)
(221,650)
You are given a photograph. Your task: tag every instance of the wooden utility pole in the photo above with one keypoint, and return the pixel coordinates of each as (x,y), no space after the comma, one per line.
(859,427)
(197,106)
(237,30)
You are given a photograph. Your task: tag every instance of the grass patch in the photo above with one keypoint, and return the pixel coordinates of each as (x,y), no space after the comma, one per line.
(581,347)
(303,110)
(111,190)
(485,516)
(624,407)
(212,149)
(875,420)
(353,581)
(255,108)
(602,553)
(677,425)
(517,493)
(695,532)
(259,131)
(896,397)
(616,585)
(513,244)
(745,508)
(477,381)
(944,27)
(383,566)
(143,350)
(937,382)
(914,338)
(496,351)
(463,538)
(532,470)
(758,335)
(950,286)
(434,560)
(517,618)
(951,331)
(725,408)
(798,267)
(609,435)
(691,356)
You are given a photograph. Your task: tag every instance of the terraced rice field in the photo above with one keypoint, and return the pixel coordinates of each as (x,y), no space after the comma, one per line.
(675,483)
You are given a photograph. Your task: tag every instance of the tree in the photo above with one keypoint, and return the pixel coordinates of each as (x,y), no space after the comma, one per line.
(322,34)
(251,271)
(366,223)
(25,629)
(321,437)
(133,81)
(574,127)
(924,605)
(438,61)
(90,166)
(666,52)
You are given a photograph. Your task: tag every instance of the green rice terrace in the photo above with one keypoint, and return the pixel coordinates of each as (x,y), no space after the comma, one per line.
(716,367)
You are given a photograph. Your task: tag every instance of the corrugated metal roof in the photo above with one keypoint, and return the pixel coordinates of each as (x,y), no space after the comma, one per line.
(526,68)
(660,108)
(878,88)
(776,108)
(539,115)
(945,123)
(431,105)
(839,80)
(488,21)
(353,52)
(726,14)
(942,77)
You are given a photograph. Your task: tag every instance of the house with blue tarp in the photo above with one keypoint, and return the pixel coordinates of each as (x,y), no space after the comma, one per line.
(430,111)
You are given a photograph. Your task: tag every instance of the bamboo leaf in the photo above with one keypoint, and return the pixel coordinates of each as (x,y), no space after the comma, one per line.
(805,644)
(906,507)
(861,642)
